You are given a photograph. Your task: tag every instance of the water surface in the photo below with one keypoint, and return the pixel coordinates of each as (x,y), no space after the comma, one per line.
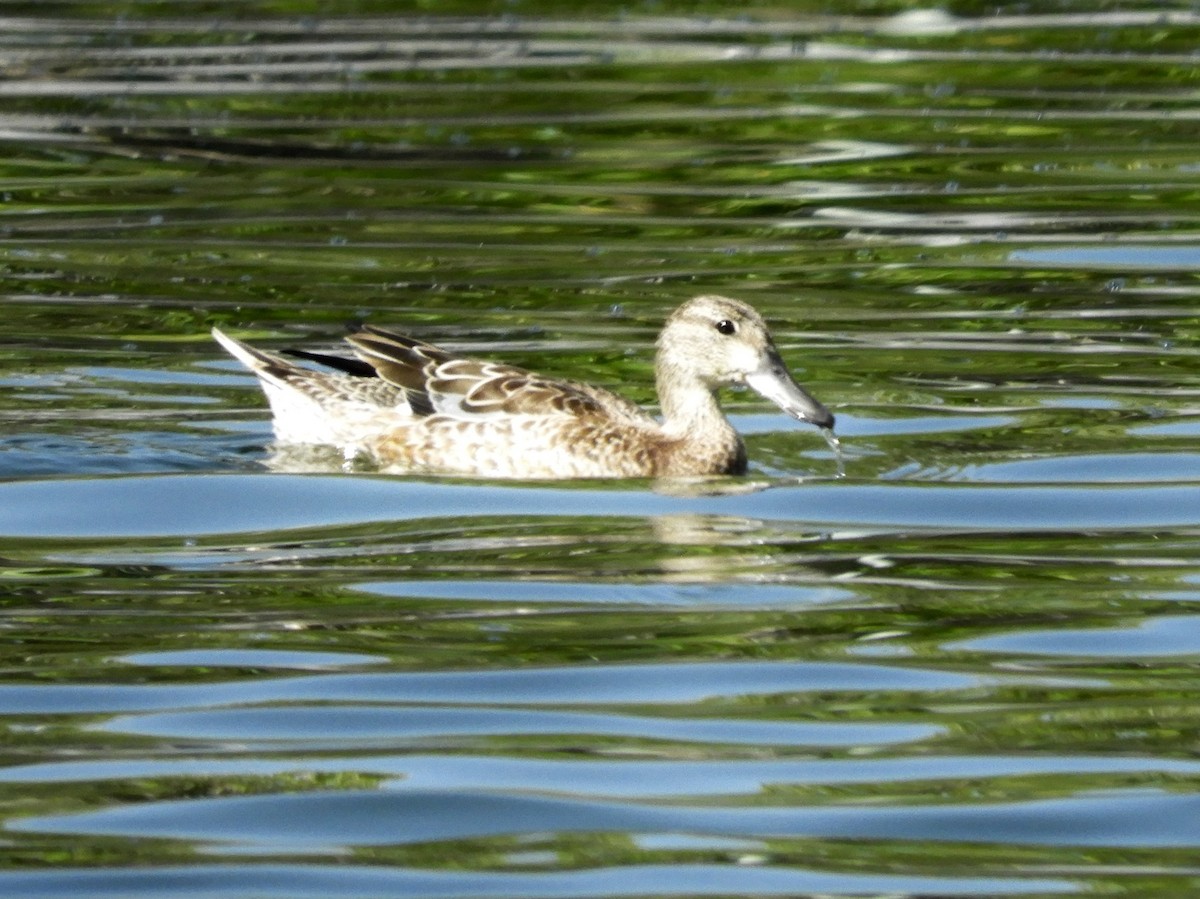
(967,667)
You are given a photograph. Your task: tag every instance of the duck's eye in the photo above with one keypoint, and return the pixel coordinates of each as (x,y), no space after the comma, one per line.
(725,326)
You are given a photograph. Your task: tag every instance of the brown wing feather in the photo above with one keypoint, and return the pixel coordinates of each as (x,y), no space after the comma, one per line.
(436,380)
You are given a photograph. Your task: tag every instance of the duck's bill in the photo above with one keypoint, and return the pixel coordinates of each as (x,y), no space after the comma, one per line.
(774,382)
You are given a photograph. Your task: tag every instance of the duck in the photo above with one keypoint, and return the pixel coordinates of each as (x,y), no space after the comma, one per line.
(407,406)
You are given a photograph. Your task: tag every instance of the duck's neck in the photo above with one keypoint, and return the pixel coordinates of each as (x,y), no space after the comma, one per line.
(690,408)
(703,440)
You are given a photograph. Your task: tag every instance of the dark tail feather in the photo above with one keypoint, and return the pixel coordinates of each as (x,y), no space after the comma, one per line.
(355,367)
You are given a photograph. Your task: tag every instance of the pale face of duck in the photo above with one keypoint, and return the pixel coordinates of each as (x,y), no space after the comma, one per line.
(719,342)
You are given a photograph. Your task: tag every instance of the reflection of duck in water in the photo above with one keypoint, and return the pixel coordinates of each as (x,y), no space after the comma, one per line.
(410,406)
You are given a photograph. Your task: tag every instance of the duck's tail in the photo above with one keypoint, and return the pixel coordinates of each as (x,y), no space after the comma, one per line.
(261,363)
(317,407)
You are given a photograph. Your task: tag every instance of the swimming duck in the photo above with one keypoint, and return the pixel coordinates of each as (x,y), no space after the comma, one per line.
(409,406)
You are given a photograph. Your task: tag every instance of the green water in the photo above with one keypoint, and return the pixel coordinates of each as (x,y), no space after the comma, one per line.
(968,667)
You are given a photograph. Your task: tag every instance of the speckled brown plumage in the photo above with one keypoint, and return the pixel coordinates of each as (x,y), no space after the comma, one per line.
(415,407)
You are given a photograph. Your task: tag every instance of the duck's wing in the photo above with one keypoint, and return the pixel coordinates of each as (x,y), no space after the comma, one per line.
(444,383)
(355,367)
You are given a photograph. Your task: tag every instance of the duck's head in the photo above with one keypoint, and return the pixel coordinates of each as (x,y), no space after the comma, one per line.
(723,342)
